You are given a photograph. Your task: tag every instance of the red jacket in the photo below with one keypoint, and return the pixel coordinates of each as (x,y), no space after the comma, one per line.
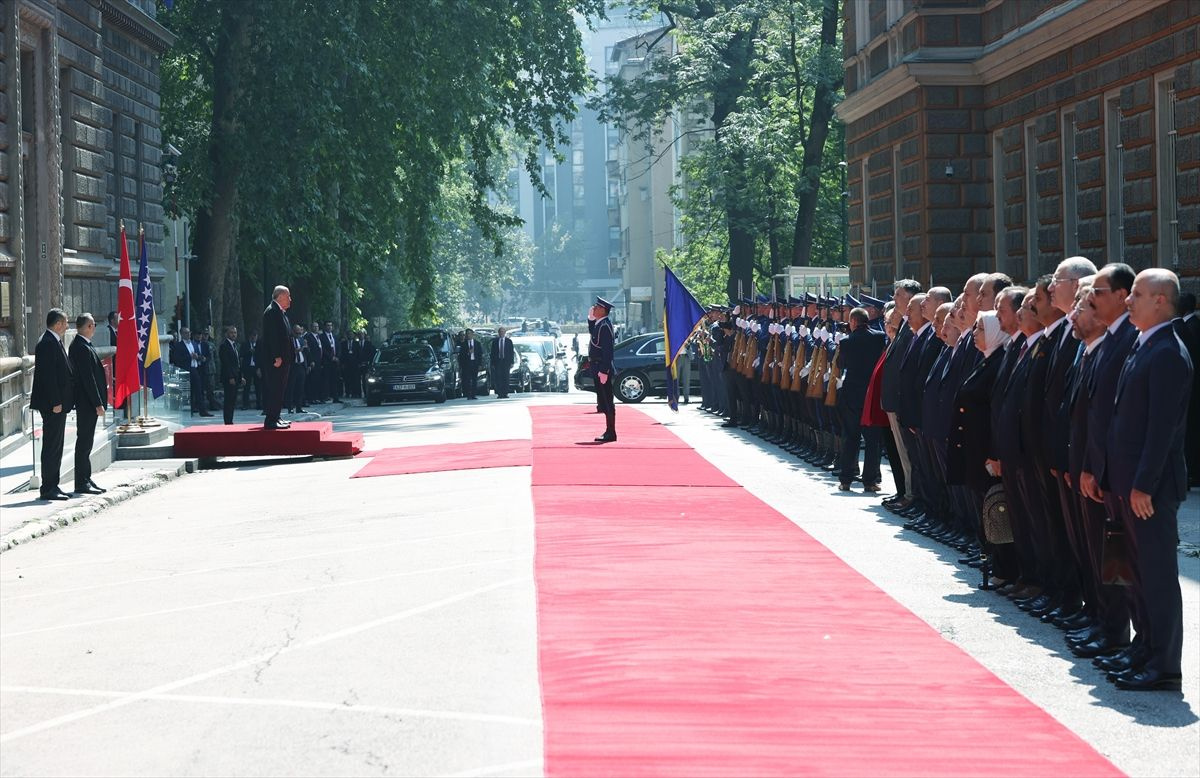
(873,415)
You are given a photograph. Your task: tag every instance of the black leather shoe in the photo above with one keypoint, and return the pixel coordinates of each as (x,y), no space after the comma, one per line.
(732,424)
(87,490)
(1148,680)
(55,496)
(606,438)
(96,486)
(205,413)
(843,487)
(1121,661)
(1075,621)
(1062,611)
(1098,647)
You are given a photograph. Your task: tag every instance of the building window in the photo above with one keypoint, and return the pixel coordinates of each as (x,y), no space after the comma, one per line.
(895,9)
(1070,204)
(1000,226)
(67,170)
(1114,178)
(1032,223)
(1168,202)
(862,23)
(610,67)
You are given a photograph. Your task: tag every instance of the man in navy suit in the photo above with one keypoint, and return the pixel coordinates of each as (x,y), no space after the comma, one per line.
(600,356)
(859,353)
(914,369)
(91,398)
(889,391)
(1144,468)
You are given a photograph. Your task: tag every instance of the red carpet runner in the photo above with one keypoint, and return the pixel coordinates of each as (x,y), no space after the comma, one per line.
(696,631)
(449,456)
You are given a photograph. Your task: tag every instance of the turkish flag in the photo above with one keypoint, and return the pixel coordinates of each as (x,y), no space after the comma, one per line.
(127,382)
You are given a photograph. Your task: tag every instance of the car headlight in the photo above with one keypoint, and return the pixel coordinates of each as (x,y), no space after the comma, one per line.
(372,379)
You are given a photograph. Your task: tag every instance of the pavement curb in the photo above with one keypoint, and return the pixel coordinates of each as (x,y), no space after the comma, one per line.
(93,505)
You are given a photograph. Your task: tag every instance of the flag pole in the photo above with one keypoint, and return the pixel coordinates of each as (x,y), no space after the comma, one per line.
(145,419)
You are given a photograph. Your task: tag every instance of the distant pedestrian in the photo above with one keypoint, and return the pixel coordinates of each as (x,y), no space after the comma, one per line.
(502,361)
(469,357)
(52,396)
(278,353)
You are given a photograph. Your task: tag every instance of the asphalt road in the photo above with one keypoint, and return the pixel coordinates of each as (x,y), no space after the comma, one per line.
(279,618)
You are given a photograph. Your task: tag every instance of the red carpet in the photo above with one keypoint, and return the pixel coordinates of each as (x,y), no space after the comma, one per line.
(573,425)
(698,632)
(245,440)
(451,456)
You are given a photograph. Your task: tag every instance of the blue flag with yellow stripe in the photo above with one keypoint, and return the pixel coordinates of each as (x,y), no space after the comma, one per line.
(681,315)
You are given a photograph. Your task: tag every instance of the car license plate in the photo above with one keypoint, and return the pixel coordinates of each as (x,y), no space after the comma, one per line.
(403,387)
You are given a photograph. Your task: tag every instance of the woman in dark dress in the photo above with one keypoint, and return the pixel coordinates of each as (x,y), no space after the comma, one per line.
(970,438)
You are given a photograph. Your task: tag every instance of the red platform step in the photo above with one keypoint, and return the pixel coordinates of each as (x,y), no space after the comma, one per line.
(246,440)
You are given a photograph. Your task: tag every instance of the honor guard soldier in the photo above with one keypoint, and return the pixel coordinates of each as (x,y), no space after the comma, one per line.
(600,356)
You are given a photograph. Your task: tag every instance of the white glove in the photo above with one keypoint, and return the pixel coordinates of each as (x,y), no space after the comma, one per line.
(805,371)
(841,381)
(803,331)
(826,378)
(792,371)
(757,362)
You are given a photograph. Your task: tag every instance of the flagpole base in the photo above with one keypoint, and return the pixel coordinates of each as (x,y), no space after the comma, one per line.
(148,421)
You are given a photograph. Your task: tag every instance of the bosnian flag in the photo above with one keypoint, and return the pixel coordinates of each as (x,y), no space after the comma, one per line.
(126,381)
(149,354)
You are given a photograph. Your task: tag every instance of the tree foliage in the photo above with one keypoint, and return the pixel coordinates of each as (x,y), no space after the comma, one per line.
(317,140)
(764,192)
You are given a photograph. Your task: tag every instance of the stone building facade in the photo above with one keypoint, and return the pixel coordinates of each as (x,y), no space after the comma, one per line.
(1008,134)
(80,152)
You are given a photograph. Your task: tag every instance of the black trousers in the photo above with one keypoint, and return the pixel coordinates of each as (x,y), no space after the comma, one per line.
(85,435)
(230,400)
(275,380)
(470,377)
(252,380)
(1108,603)
(852,433)
(54,430)
(333,380)
(294,393)
(606,404)
(500,379)
(1156,580)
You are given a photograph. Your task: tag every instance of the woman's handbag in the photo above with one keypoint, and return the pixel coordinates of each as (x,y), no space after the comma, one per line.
(997,527)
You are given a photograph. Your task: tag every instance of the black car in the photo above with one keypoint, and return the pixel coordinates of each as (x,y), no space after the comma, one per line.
(445,346)
(640,368)
(406,371)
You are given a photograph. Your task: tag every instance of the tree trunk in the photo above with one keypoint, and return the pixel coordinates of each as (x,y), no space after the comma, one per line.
(809,187)
(216,228)
(739,56)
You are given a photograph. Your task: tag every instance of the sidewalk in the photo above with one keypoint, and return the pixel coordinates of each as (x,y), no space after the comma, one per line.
(25,517)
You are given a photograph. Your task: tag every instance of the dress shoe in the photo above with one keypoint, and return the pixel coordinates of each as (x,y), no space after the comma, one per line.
(968,559)
(873,488)
(1121,661)
(85,489)
(1099,647)
(1148,680)
(606,438)
(732,424)
(843,487)
(96,486)
(1076,621)
(53,496)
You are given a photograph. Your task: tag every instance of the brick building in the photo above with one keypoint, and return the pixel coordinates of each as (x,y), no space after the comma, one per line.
(79,153)
(1008,134)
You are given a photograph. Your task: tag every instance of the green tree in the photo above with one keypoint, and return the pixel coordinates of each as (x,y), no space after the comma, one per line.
(316,142)
(768,73)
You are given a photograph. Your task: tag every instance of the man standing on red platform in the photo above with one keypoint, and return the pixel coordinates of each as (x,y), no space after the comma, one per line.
(278,353)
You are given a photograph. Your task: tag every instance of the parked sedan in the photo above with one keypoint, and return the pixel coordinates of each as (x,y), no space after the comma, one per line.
(545,360)
(408,371)
(641,370)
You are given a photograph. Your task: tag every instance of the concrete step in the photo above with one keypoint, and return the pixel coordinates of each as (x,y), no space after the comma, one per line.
(164,449)
(142,436)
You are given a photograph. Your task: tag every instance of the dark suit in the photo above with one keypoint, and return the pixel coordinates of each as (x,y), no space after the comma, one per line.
(314,381)
(91,392)
(53,385)
(251,374)
(350,354)
(470,354)
(914,370)
(1189,332)
(502,362)
(1144,451)
(231,373)
(1006,445)
(859,353)
(330,365)
(276,343)
(112,335)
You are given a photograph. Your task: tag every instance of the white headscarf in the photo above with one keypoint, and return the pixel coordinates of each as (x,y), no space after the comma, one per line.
(993,336)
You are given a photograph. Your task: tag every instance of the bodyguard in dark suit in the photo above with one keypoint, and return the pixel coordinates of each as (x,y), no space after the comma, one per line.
(502,361)
(251,374)
(314,380)
(91,398)
(600,356)
(278,353)
(922,352)
(889,388)
(230,371)
(112,328)
(470,354)
(859,353)
(1144,467)
(53,392)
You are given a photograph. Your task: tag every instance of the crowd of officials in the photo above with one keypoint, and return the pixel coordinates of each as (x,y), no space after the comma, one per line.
(1050,433)
(326,367)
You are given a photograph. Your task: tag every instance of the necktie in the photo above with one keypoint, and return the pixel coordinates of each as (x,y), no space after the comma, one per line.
(1125,370)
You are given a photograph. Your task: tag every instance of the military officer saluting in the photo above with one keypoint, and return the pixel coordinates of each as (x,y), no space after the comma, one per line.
(600,356)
